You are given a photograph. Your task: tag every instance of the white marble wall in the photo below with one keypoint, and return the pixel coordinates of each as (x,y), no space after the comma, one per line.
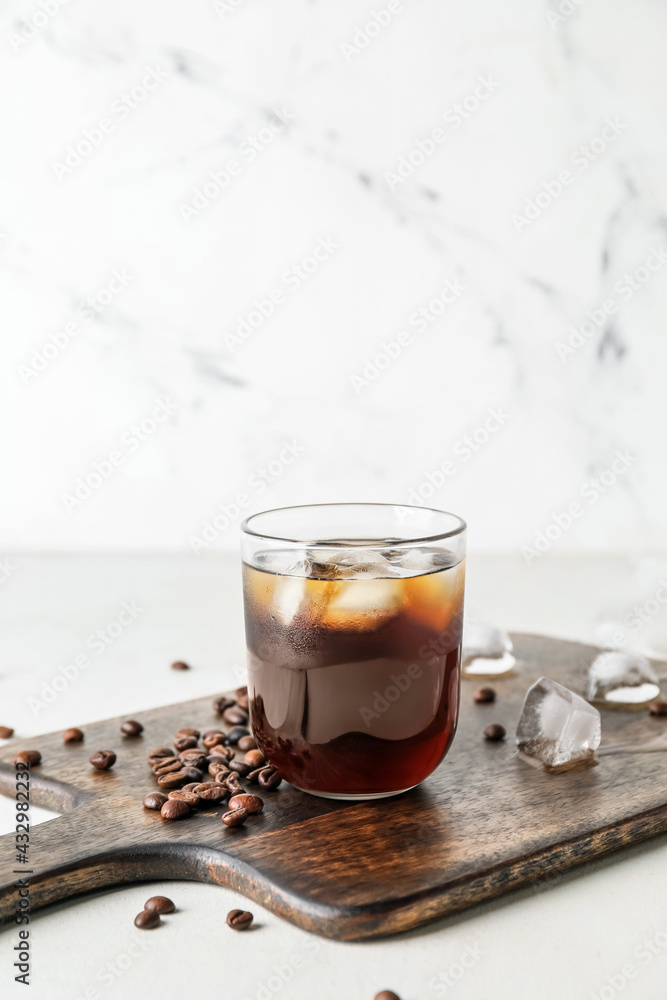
(308,113)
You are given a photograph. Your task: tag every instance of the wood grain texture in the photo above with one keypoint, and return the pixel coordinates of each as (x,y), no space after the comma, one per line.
(483,824)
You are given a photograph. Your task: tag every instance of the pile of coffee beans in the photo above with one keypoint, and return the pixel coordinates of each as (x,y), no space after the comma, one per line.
(204,770)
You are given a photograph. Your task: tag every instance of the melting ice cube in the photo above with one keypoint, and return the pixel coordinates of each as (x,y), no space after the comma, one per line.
(557,726)
(622,680)
(487,650)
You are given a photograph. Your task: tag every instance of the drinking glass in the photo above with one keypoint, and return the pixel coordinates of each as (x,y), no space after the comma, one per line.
(353,617)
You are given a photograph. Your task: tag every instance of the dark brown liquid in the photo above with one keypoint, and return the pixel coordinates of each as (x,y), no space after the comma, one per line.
(354,683)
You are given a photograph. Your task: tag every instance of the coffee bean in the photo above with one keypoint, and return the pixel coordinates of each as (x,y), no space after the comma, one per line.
(216,768)
(243,701)
(6,732)
(175,779)
(494,732)
(154,800)
(236,817)
(252,803)
(159,754)
(72,736)
(161,904)
(231,781)
(269,778)
(167,765)
(387,995)
(192,758)
(188,797)
(131,728)
(32,757)
(147,920)
(253,776)
(190,787)
(240,691)
(103,759)
(239,920)
(235,716)
(221,703)
(246,743)
(239,767)
(237,733)
(658,707)
(211,791)
(182,743)
(213,739)
(175,809)
(187,732)
(484,696)
(254,758)
(219,752)
(180,665)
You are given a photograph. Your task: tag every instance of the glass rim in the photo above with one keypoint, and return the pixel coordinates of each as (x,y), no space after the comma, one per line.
(460,527)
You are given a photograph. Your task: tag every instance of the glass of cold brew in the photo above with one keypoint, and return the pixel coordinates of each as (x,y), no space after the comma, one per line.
(353,617)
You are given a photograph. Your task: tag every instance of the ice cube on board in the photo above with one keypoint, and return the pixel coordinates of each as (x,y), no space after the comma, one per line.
(622,680)
(557,727)
(487,650)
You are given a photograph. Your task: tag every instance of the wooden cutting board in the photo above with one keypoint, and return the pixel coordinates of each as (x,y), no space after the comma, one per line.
(485,823)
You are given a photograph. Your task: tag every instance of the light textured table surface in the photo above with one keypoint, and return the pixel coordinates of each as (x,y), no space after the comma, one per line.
(597,933)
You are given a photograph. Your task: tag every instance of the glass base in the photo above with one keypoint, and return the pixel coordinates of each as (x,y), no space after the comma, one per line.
(356,797)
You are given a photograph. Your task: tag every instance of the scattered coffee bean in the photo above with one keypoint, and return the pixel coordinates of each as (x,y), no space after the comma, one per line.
(72,735)
(658,708)
(216,768)
(484,696)
(239,767)
(180,665)
(239,920)
(236,817)
(159,754)
(387,995)
(131,728)
(213,739)
(31,757)
(161,904)
(226,753)
(191,785)
(211,791)
(187,732)
(235,716)
(231,782)
(185,743)
(252,803)
(193,773)
(246,743)
(494,732)
(243,701)
(221,703)
(175,779)
(254,758)
(188,797)
(269,779)
(6,732)
(103,759)
(235,734)
(240,691)
(167,765)
(193,758)
(147,920)
(253,776)
(154,800)
(175,809)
